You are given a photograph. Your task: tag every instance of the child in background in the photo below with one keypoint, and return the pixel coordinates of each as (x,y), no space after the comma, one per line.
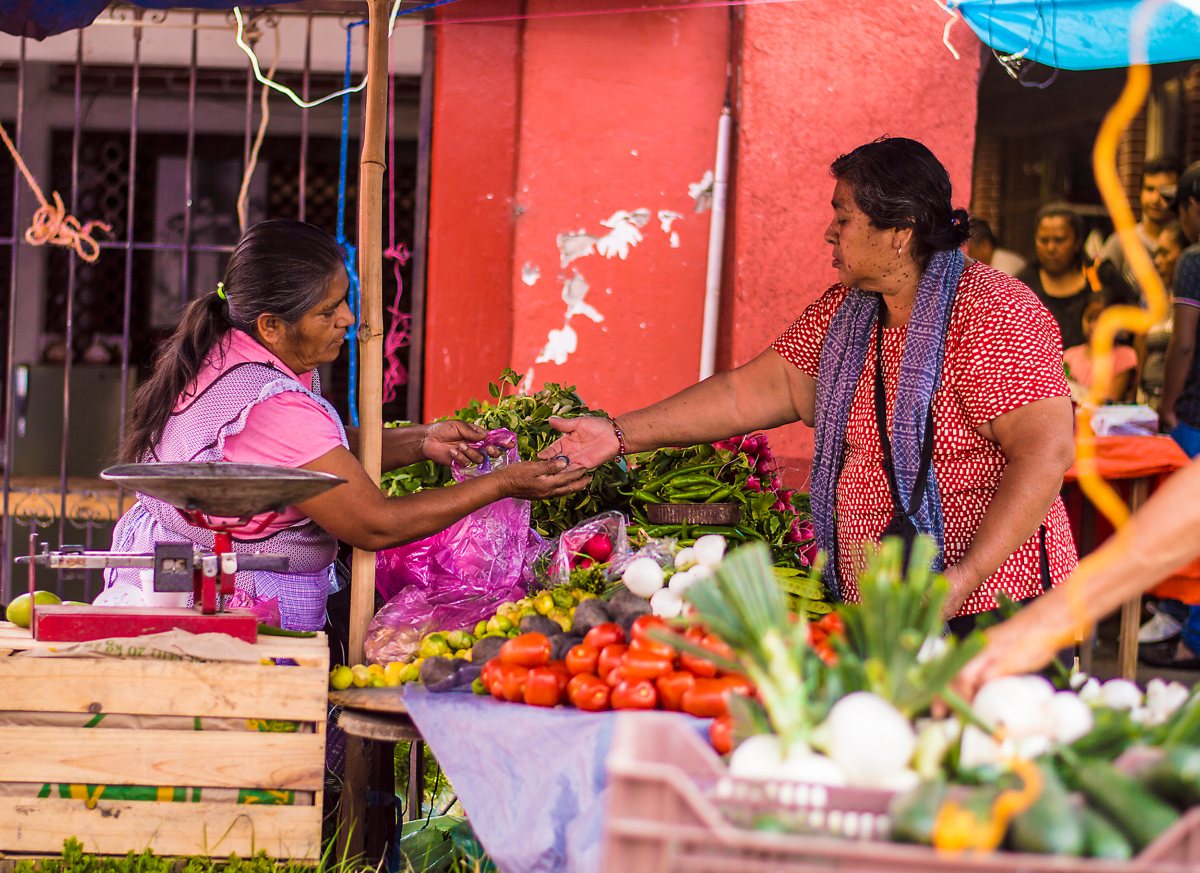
(1077,360)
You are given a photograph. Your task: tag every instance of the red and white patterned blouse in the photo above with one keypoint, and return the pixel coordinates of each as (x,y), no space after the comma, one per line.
(1002,351)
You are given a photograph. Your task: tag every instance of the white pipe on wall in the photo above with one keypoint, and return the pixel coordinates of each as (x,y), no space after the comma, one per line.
(716,248)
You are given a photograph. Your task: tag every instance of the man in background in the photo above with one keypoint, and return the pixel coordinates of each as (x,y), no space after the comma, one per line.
(1159,177)
(984,248)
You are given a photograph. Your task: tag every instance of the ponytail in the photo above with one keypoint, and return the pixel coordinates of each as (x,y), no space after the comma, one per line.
(176,365)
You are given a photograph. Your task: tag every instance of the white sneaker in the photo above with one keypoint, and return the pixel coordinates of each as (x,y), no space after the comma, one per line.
(1159,628)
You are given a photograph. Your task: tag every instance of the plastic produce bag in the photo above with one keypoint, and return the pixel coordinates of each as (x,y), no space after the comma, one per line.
(598,540)
(459,575)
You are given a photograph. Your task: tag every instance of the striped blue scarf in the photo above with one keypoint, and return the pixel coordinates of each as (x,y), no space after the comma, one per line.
(842,359)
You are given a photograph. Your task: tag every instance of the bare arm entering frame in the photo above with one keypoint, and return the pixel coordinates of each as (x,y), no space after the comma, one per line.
(1159,539)
(766,392)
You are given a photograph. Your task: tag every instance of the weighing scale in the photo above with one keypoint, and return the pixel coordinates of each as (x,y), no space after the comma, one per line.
(219,497)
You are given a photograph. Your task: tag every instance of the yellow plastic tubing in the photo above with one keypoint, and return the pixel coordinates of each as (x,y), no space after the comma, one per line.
(1117,318)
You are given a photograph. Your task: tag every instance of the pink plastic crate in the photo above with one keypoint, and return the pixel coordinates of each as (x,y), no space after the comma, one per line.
(672,808)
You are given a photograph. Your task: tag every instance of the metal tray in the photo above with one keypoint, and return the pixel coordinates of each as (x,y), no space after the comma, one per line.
(223,490)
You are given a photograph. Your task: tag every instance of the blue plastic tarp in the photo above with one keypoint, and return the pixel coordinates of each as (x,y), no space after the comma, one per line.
(1082,34)
(532,780)
(42,18)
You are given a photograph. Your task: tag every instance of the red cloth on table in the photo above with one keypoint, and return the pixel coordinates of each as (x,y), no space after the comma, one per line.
(1121,458)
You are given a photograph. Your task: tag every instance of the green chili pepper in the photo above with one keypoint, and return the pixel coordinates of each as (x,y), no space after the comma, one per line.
(720,494)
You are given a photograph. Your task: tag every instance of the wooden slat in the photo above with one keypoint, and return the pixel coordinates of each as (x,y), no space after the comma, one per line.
(115,828)
(377,700)
(163,688)
(386,728)
(156,757)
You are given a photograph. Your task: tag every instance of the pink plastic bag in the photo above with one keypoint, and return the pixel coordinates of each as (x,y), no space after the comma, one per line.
(458,576)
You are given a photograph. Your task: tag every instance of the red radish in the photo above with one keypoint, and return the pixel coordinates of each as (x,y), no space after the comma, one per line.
(753,483)
(763,467)
(599,548)
(584,563)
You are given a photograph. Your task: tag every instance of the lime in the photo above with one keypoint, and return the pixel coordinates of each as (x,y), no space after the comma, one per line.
(361,677)
(562,598)
(409,673)
(499,624)
(20,611)
(340,677)
(544,602)
(459,640)
(562,616)
(434,645)
(481,627)
(392,673)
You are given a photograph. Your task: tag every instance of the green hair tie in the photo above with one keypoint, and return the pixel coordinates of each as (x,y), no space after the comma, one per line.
(221,291)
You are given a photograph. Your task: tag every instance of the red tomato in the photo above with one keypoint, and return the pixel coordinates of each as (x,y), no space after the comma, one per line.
(564,675)
(634,694)
(615,676)
(604,635)
(644,623)
(512,682)
(541,687)
(720,734)
(527,650)
(610,656)
(647,646)
(697,666)
(832,623)
(582,659)
(490,677)
(641,665)
(718,647)
(738,684)
(671,687)
(706,698)
(589,693)
(695,634)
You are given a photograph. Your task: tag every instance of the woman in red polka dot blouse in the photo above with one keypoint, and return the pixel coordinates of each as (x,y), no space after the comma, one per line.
(935,386)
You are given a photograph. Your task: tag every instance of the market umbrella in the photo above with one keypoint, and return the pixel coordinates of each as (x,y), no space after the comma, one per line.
(1082,34)
(42,18)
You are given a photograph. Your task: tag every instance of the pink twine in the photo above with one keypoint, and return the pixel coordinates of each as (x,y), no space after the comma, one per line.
(397,337)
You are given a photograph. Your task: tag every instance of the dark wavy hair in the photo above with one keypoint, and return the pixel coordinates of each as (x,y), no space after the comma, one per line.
(899,183)
(280,267)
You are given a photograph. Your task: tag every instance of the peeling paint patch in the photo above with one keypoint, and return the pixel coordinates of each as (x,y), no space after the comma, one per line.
(574,291)
(575,245)
(702,192)
(667,217)
(674,239)
(625,232)
(530,273)
(527,382)
(560,345)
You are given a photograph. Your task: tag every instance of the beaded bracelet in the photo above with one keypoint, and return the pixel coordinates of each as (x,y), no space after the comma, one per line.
(620,435)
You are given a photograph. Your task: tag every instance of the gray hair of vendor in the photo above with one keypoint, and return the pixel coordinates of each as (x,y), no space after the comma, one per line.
(280,267)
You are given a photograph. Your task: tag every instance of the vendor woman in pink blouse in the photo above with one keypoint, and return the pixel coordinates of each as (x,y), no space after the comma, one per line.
(935,387)
(237,381)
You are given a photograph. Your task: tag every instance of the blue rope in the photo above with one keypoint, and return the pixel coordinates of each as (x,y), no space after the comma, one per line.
(349,252)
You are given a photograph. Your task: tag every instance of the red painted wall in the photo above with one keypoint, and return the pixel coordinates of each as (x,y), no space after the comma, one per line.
(585,116)
(815,84)
(476,114)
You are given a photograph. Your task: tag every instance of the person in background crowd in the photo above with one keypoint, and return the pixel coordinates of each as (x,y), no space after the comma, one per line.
(1057,278)
(1078,360)
(1171,243)
(1159,177)
(1179,410)
(985,248)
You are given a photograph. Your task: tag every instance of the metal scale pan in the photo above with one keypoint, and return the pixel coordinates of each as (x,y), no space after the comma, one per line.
(223,490)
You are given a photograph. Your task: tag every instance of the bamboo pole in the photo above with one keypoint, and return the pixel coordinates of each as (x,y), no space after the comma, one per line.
(370,386)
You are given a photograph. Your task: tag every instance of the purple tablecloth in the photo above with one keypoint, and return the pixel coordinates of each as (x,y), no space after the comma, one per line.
(532,780)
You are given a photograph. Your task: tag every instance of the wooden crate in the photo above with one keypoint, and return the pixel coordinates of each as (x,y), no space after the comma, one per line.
(225,759)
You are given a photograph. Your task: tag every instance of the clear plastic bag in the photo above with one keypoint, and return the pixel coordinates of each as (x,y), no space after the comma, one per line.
(456,577)
(599,540)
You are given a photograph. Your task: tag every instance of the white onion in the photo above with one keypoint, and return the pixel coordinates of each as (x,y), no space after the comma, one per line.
(1120,694)
(681,582)
(868,738)
(665,603)
(1069,717)
(643,577)
(709,550)
(684,557)
(1016,703)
